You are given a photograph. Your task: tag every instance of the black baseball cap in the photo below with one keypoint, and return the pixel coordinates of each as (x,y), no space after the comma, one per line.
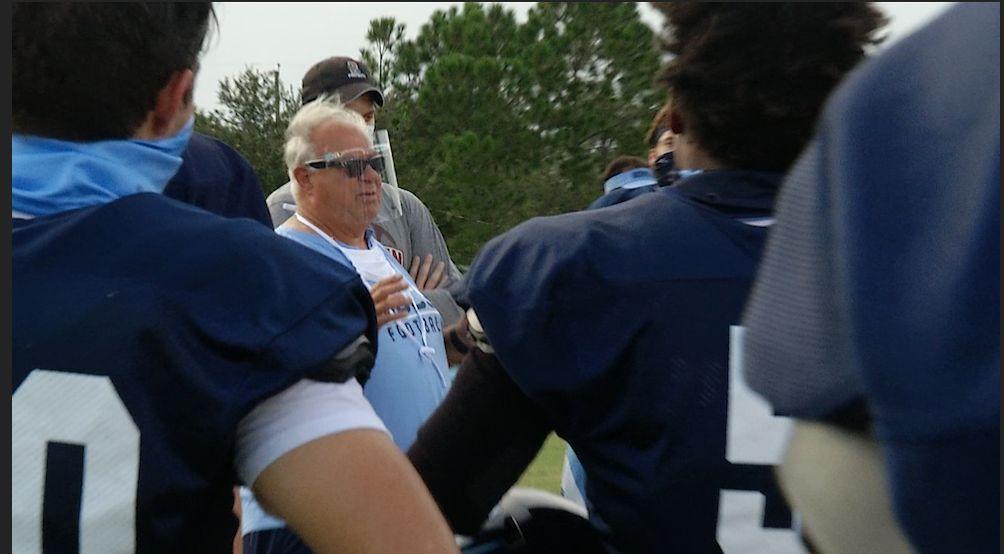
(347,77)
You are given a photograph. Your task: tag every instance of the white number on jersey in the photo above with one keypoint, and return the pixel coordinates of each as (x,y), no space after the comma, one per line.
(754,436)
(85,410)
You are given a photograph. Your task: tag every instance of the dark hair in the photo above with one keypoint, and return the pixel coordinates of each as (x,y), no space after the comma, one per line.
(659,125)
(85,71)
(749,79)
(621,164)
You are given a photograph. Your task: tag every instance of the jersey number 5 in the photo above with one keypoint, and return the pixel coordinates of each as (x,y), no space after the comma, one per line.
(755,442)
(56,413)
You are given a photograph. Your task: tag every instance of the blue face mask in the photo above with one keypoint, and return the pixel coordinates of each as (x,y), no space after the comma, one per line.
(51,176)
(664,165)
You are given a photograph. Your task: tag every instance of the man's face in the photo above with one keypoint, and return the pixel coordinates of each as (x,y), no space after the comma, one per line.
(664,144)
(344,200)
(364,106)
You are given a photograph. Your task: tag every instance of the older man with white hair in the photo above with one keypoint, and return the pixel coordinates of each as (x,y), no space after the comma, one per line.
(334,168)
(404,225)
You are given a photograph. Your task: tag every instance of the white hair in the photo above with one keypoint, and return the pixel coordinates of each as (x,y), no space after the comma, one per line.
(321,111)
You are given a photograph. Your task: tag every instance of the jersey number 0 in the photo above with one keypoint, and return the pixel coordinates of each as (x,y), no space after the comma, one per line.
(53,409)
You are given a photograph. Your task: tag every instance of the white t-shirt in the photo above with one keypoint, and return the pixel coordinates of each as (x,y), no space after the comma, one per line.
(371,263)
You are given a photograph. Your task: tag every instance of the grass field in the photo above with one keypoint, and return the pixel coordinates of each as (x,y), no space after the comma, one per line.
(545,471)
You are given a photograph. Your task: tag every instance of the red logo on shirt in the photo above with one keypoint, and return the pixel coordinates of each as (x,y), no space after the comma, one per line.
(398,255)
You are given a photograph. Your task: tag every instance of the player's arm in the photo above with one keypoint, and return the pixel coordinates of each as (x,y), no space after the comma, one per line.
(317,456)
(475,446)
(354,492)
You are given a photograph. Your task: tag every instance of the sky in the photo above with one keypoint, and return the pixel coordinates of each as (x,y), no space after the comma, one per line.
(293,36)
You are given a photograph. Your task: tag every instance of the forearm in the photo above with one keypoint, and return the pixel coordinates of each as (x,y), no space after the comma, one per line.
(478,442)
(354,491)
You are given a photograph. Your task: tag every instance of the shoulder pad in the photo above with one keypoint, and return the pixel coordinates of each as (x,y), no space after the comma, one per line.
(478,332)
(355,360)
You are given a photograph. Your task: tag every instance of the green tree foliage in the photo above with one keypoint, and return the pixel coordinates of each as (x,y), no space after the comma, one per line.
(384,35)
(256,111)
(495,121)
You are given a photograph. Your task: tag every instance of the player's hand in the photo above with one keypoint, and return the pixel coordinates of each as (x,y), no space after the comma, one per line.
(390,302)
(425,275)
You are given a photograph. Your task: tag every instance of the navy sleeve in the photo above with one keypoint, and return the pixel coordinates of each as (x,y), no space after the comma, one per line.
(324,307)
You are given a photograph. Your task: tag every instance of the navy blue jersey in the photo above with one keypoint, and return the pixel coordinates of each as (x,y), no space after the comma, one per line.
(144,331)
(217,178)
(882,278)
(618,324)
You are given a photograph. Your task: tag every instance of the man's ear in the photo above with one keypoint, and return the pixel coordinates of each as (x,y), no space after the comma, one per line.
(171,111)
(302,177)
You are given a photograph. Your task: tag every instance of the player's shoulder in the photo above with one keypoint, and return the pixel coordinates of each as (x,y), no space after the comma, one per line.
(952,51)
(265,284)
(660,236)
(206,153)
(552,241)
(206,141)
(206,241)
(620,196)
(203,142)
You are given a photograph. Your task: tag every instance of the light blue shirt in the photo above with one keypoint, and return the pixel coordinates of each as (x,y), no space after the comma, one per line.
(405,385)
(409,377)
(632,179)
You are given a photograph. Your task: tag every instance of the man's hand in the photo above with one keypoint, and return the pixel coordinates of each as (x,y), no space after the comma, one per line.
(458,341)
(388,300)
(425,276)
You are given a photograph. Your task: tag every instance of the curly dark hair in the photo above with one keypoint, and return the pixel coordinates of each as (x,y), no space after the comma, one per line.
(750,79)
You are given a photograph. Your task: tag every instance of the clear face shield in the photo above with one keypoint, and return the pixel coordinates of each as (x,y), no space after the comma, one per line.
(390,203)
(390,207)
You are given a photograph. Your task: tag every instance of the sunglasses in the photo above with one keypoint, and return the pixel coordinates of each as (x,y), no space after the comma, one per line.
(353,168)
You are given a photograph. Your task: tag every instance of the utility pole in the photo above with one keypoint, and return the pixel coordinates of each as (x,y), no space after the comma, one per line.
(278,96)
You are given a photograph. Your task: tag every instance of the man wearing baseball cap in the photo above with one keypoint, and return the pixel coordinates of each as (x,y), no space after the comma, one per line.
(349,78)
(404,224)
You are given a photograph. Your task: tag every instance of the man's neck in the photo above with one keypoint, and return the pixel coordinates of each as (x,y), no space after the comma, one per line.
(355,237)
(689,155)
